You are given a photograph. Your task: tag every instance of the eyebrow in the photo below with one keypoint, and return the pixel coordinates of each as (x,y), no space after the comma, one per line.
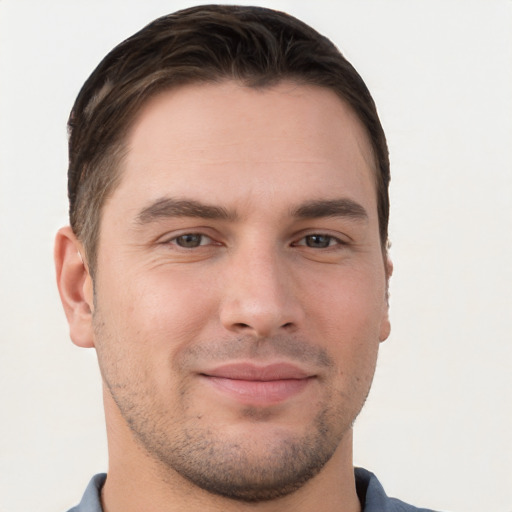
(331,208)
(171,207)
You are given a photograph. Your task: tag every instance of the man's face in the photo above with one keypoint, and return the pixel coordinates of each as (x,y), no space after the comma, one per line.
(240,294)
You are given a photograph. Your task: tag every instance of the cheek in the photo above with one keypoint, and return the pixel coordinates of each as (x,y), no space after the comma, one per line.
(346,315)
(151,317)
(349,302)
(141,329)
(169,302)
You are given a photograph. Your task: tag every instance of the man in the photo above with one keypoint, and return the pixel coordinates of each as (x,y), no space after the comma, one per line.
(227,260)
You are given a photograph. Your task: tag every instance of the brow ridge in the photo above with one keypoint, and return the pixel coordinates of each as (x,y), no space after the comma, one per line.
(171,207)
(343,207)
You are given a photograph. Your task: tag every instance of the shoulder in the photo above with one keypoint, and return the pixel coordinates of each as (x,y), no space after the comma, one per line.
(91,501)
(373,497)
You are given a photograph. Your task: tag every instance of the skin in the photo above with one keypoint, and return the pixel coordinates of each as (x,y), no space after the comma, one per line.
(262,277)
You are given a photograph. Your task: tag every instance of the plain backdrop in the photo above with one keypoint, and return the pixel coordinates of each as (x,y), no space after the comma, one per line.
(437,428)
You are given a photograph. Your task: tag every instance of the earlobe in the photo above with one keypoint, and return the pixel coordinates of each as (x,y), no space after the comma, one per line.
(385,328)
(75,287)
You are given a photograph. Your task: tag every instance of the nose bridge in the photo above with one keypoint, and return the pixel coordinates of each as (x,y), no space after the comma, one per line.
(259,295)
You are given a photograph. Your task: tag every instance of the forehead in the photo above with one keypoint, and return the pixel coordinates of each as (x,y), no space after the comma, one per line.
(237,111)
(286,138)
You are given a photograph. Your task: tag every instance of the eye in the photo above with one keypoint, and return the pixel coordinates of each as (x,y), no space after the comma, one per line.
(318,241)
(191,240)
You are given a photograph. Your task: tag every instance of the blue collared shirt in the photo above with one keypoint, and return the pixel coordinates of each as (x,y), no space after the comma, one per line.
(370,492)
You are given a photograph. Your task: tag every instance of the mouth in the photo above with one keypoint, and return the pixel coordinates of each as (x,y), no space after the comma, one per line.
(258,385)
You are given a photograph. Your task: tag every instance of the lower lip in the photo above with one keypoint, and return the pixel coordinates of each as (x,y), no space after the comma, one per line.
(259,392)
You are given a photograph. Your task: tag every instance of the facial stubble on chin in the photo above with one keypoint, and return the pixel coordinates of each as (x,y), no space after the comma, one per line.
(184,443)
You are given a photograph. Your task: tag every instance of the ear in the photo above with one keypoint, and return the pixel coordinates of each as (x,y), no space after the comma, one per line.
(385,326)
(75,287)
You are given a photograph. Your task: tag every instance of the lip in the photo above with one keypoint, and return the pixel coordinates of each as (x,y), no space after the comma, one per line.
(258,384)
(253,372)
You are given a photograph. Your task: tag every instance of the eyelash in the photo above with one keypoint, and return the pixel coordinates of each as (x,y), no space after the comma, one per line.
(201,236)
(329,239)
(302,242)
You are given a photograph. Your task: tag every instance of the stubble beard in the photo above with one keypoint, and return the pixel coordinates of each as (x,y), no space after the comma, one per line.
(207,457)
(227,466)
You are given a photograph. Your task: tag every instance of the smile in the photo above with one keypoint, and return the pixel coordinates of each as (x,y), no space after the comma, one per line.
(259,385)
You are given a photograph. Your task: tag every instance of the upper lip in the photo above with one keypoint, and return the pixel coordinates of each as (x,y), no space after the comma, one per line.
(254,372)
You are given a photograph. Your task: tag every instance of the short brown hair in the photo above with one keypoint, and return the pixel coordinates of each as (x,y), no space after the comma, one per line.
(256,46)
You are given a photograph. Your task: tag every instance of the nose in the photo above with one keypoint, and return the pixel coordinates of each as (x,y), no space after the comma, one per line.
(260,294)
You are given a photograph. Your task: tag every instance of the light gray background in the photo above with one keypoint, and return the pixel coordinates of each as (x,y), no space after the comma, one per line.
(437,428)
